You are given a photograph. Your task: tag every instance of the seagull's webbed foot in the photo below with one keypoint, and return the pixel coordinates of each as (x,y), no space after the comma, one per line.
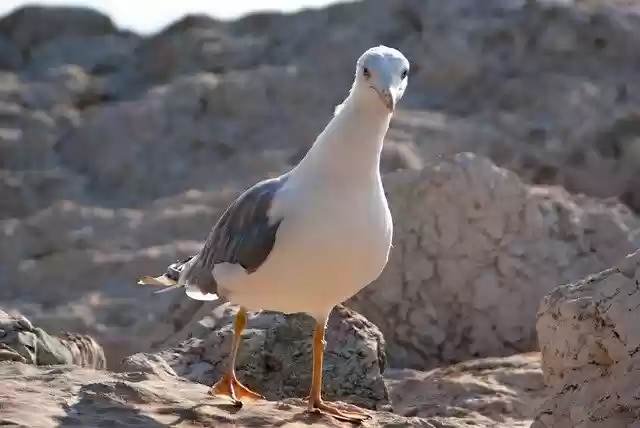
(230,387)
(322,407)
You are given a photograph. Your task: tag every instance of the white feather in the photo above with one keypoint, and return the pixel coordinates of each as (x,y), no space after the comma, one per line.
(195,293)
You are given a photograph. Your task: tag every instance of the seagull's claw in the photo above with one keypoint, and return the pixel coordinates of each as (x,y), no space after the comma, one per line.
(230,387)
(324,408)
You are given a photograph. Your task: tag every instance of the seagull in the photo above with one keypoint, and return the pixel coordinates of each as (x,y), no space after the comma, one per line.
(311,238)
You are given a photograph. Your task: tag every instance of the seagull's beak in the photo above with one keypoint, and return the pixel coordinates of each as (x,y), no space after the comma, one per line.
(160,280)
(387,98)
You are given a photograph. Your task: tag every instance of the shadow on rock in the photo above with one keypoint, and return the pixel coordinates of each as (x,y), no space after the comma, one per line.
(101,405)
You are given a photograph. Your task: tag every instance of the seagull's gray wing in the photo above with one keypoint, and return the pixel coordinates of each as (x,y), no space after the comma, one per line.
(244,235)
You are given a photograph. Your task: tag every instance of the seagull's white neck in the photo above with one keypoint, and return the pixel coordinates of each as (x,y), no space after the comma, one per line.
(348,150)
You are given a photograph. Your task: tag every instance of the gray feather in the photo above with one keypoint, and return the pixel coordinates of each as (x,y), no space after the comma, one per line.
(243,235)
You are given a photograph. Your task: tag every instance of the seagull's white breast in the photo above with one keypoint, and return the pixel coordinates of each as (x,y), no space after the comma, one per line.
(332,243)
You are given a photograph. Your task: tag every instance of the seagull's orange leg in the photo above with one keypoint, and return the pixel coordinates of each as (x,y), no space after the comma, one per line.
(316,404)
(229,386)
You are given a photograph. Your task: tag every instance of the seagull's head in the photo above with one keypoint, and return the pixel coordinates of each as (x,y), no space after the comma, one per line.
(382,74)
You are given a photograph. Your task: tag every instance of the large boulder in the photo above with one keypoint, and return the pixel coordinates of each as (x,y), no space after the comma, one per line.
(589,339)
(474,251)
(275,356)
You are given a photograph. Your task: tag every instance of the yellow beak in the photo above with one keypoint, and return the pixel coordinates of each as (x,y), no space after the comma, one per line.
(159,280)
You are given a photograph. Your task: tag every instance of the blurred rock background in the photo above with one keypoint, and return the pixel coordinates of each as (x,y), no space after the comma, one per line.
(512,165)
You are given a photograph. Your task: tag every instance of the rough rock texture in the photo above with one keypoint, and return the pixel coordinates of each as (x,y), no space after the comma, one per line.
(483,394)
(589,339)
(275,356)
(474,251)
(147,363)
(20,341)
(66,396)
(491,392)
(30,26)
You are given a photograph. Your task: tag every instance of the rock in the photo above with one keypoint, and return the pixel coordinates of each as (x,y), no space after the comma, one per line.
(20,341)
(100,55)
(501,88)
(89,257)
(196,117)
(587,326)
(25,192)
(490,392)
(475,250)
(275,355)
(10,56)
(14,323)
(27,137)
(147,363)
(194,43)
(67,85)
(82,397)
(589,342)
(29,26)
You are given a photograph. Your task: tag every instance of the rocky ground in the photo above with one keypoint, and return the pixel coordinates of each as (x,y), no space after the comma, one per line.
(168,387)
(67,396)
(511,169)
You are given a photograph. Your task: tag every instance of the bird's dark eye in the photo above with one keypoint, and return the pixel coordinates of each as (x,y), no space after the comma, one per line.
(366,72)
(404,73)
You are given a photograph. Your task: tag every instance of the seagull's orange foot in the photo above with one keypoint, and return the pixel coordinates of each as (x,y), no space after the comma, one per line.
(320,406)
(230,387)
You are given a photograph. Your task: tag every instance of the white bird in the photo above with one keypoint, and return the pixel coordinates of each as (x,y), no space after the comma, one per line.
(313,237)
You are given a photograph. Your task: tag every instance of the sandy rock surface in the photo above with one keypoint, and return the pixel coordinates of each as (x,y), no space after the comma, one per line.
(483,394)
(589,340)
(66,396)
(492,392)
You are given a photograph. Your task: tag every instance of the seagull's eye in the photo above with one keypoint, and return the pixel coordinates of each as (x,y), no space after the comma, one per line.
(404,73)
(366,72)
